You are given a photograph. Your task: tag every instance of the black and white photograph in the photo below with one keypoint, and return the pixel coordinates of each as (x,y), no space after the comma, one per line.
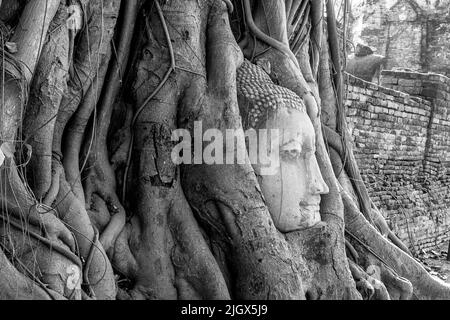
(225,158)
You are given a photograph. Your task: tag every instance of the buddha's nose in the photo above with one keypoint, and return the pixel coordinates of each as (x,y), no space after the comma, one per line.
(320,187)
(317,185)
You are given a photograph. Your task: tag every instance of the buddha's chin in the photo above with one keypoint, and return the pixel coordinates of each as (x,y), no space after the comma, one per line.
(303,218)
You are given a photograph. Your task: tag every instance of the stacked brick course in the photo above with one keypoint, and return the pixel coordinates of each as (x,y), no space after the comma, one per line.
(436,89)
(402,147)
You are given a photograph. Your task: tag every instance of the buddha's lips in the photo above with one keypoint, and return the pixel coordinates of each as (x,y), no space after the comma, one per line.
(314,204)
(310,210)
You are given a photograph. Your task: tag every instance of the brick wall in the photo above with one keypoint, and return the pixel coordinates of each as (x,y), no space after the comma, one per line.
(397,138)
(436,89)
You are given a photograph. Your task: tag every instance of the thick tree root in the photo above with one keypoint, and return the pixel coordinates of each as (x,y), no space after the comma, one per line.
(16,286)
(18,78)
(327,239)
(337,156)
(75,216)
(369,287)
(37,237)
(401,274)
(101,179)
(227,198)
(184,73)
(391,260)
(49,84)
(165,254)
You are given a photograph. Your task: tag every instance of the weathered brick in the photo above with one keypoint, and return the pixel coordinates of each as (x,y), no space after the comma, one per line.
(390,133)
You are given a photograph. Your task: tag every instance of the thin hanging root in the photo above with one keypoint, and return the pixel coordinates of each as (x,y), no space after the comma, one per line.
(352,250)
(284,48)
(114,81)
(91,42)
(382,225)
(74,135)
(23,287)
(288,6)
(17,199)
(386,280)
(333,41)
(351,167)
(88,264)
(350,206)
(93,71)
(152,95)
(297,44)
(299,19)
(54,187)
(398,288)
(101,176)
(316,34)
(115,225)
(52,245)
(389,257)
(294,8)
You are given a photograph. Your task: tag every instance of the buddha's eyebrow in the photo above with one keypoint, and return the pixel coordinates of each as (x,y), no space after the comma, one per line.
(290,141)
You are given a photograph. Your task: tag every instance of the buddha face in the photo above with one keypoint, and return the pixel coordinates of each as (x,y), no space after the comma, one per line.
(293,192)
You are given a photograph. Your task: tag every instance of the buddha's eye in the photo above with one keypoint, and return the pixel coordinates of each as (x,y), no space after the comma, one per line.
(291,154)
(291,145)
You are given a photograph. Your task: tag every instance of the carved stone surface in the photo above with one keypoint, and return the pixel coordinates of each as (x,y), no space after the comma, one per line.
(292,192)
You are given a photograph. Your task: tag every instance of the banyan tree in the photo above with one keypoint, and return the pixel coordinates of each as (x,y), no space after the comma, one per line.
(97,97)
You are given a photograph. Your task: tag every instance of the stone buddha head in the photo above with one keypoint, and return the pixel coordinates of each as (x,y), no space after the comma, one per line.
(293,190)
